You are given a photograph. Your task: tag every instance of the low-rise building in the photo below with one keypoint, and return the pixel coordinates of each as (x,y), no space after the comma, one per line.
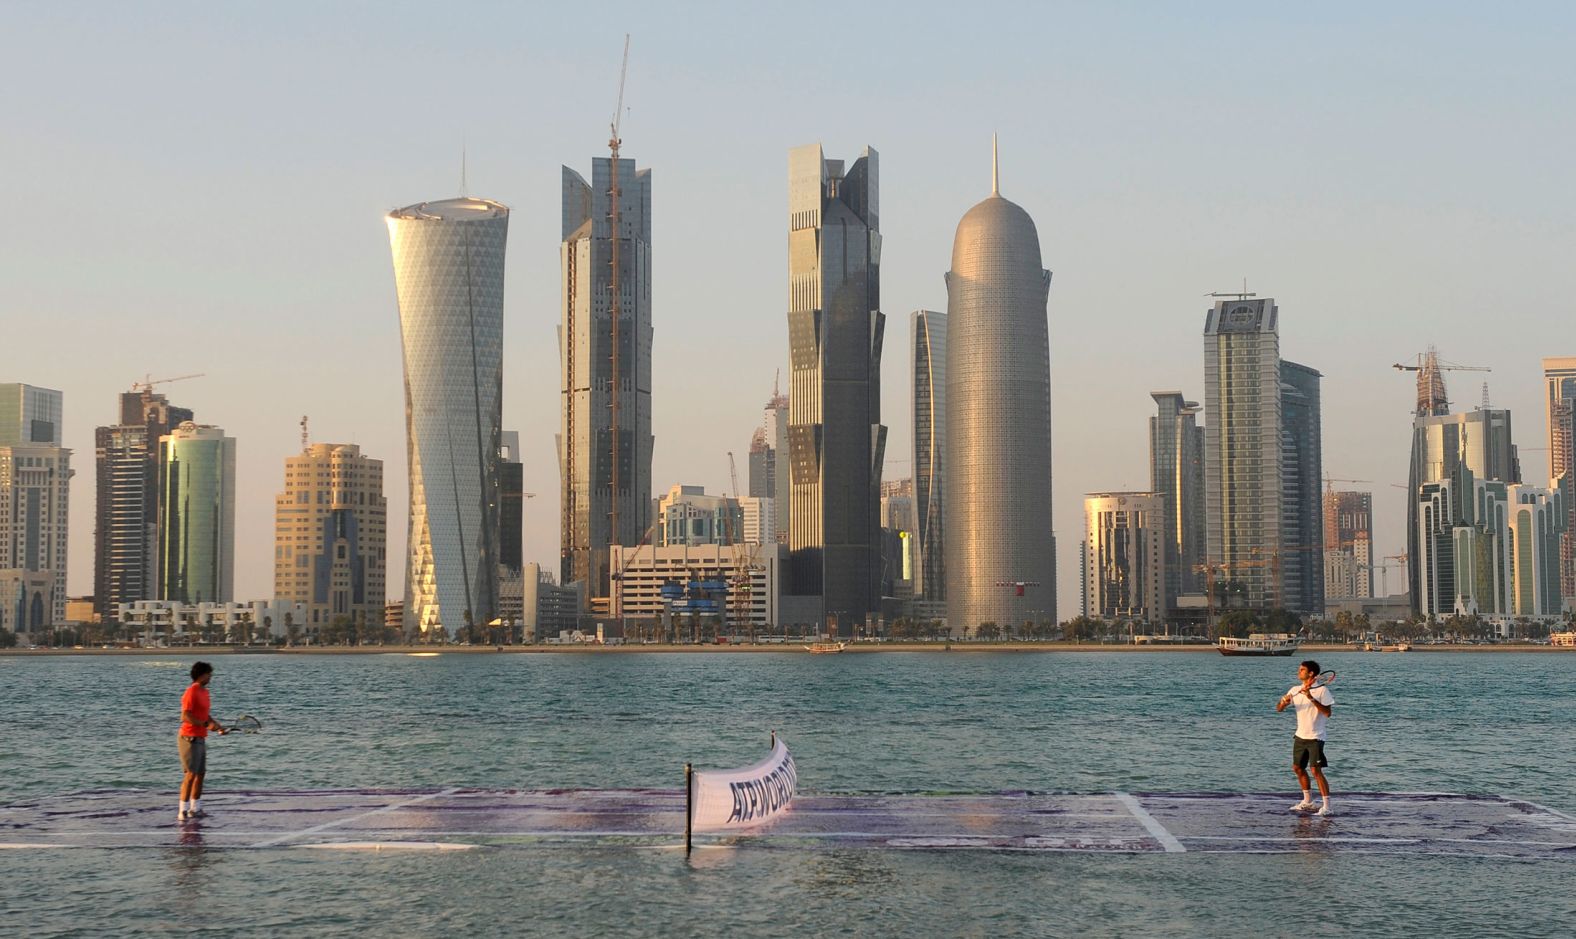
(166,621)
(740,585)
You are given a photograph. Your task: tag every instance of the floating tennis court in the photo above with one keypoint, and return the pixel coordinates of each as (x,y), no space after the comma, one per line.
(1433,824)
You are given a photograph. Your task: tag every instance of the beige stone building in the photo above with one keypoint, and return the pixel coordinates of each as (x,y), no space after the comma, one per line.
(331,535)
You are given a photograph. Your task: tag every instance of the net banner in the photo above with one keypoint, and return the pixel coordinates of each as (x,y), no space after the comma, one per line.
(731,799)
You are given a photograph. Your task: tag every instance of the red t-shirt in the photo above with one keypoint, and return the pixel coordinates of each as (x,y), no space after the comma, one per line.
(195,700)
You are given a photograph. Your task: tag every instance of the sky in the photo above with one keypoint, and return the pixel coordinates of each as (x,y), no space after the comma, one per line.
(200,188)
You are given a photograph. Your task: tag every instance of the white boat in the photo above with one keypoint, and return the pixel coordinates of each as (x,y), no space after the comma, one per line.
(825,648)
(1259,644)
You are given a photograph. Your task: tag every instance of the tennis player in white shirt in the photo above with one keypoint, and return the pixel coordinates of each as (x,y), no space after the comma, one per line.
(1313,706)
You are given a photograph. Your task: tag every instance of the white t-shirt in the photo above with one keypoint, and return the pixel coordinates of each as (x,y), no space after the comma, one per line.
(1310,721)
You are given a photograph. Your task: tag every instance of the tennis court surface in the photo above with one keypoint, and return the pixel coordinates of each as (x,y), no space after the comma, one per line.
(1434,824)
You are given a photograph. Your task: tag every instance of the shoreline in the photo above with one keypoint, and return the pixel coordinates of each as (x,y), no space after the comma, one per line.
(794,648)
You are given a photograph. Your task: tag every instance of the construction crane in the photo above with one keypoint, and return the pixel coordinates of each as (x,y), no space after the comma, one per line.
(616,237)
(1431,397)
(1384,570)
(146,385)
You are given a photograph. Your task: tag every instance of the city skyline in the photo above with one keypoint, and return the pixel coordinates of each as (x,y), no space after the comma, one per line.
(1143,215)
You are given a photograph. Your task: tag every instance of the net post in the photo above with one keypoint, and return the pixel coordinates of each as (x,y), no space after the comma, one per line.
(689,806)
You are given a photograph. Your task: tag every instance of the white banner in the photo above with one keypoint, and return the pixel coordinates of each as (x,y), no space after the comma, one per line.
(728,799)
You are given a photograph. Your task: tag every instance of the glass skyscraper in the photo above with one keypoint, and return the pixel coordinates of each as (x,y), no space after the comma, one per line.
(836,441)
(1176,474)
(196,553)
(928,335)
(125,536)
(448,272)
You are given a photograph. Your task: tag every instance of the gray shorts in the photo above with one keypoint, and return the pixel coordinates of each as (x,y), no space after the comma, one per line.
(194,755)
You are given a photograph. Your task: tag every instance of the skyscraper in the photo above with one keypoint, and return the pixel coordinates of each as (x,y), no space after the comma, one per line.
(1559,375)
(196,546)
(1176,475)
(1000,554)
(835,327)
(125,536)
(1301,559)
(448,272)
(928,347)
(35,488)
(331,536)
(585,441)
(769,476)
(1242,465)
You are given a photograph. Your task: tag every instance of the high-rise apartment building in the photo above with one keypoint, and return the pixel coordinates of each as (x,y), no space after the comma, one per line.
(1559,376)
(1125,552)
(928,355)
(836,440)
(1243,448)
(586,440)
(1348,545)
(1176,475)
(448,273)
(196,532)
(1301,557)
(35,489)
(125,534)
(1000,550)
(331,535)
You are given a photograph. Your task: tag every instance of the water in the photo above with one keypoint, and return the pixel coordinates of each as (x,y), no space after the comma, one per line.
(912,722)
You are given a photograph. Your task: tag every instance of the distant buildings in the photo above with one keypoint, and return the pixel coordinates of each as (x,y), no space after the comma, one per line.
(687,516)
(1348,545)
(196,532)
(125,535)
(1176,475)
(449,275)
(928,347)
(760,520)
(1559,376)
(898,541)
(589,502)
(1124,564)
(35,490)
(330,536)
(769,475)
(1262,460)
(736,587)
(1000,550)
(835,437)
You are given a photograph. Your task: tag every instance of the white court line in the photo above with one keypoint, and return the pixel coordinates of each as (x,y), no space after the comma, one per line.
(1166,839)
(354,818)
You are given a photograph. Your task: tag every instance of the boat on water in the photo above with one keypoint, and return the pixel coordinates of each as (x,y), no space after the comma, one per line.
(1259,644)
(1398,647)
(825,648)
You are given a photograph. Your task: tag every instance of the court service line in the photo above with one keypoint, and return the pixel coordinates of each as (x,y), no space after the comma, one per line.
(354,818)
(1166,839)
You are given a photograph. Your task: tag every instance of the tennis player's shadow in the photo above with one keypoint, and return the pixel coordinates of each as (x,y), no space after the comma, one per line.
(1311,832)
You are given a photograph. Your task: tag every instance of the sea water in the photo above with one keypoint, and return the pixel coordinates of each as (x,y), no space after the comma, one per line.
(960,721)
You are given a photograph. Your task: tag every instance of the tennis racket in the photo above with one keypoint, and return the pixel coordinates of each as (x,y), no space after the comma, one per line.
(245,724)
(1324,678)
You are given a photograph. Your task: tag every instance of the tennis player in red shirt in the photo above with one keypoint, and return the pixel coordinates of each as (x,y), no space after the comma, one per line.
(195,724)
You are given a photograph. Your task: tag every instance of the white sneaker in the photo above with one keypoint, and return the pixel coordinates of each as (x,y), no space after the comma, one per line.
(1325,810)
(1302,806)
(181,816)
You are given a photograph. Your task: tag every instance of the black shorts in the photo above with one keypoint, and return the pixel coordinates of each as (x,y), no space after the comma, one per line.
(1305,753)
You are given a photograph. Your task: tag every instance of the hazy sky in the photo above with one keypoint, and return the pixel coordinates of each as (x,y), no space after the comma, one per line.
(199,187)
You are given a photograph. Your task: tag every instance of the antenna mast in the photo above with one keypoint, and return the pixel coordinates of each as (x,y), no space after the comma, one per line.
(614,309)
(306,438)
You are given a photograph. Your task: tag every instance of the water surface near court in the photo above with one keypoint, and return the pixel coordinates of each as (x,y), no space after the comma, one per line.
(902,722)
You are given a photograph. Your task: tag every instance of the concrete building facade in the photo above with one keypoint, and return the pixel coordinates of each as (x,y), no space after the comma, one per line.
(35,501)
(331,535)
(1125,556)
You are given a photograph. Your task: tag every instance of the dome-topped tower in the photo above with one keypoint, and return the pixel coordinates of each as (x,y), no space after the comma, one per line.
(1000,552)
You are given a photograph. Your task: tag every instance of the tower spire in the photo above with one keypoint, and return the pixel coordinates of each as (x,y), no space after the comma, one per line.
(995,168)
